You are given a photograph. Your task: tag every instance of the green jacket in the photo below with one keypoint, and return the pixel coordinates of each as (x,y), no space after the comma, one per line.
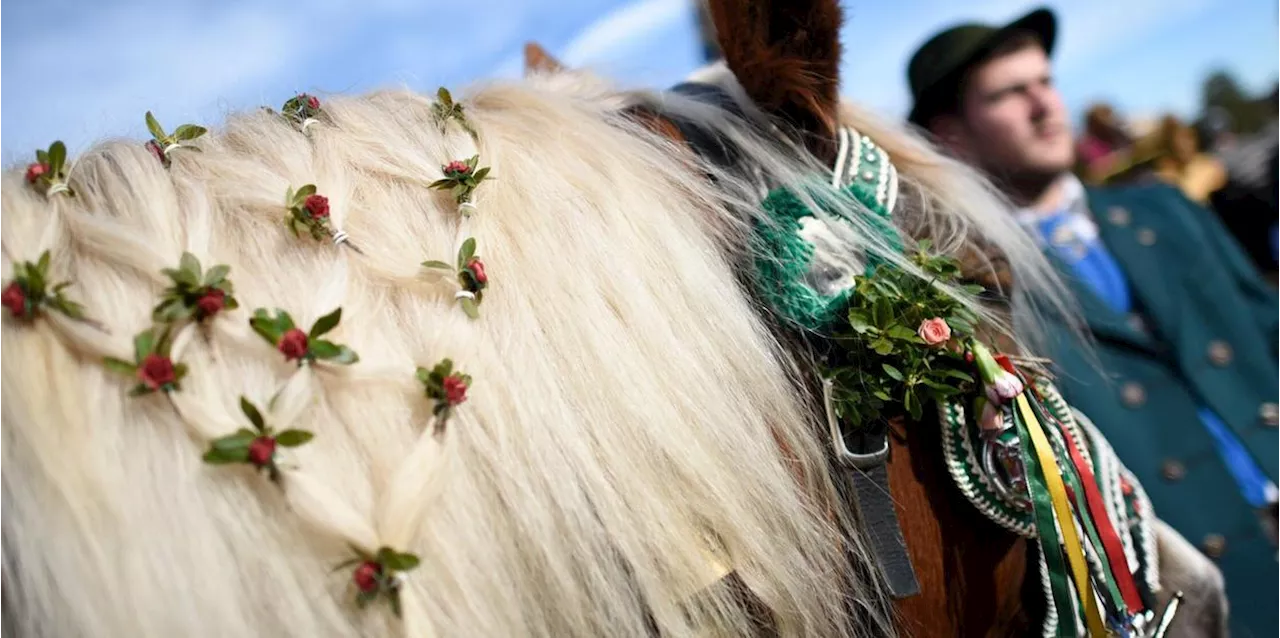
(1206,335)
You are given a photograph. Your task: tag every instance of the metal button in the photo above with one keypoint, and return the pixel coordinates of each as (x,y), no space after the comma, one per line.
(1269,414)
(1136,322)
(1213,545)
(1133,394)
(1220,353)
(1173,470)
(1146,236)
(1118,216)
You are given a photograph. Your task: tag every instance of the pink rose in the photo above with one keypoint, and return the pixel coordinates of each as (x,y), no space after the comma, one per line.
(35,171)
(14,299)
(456,169)
(261,450)
(934,331)
(293,344)
(211,303)
(156,371)
(455,389)
(477,271)
(154,148)
(317,206)
(366,576)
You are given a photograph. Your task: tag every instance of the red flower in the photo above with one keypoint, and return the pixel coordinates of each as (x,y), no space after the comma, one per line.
(456,169)
(156,371)
(293,344)
(261,450)
(366,576)
(477,271)
(313,102)
(15,299)
(154,147)
(317,206)
(211,303)
(455,389)
(35,171)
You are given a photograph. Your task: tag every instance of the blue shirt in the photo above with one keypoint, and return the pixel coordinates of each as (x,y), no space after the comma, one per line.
(1072,234)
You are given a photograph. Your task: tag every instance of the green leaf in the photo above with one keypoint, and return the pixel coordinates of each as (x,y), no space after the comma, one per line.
(42,264)
(397,561)
(423,375)
(436,264)
(467,251)
(143,344)
(139,390)
(182,277)
(153,125)
(326,323)
(346,356)
(912,404)
(188,132)
(882,346)
(899,331)
(956,374)
(42,156)
(442,94)
(242,439)
(303,193)
(190,265)
(882,313)
(222,456)
(470,308)
(216,275)
(481,174)
(57,156)
(118,365)
(251,411)
(293,438)
(892,372)
(284,321)
(322,349)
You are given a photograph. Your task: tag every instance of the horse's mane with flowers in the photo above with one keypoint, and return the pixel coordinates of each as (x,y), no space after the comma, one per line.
(473,364)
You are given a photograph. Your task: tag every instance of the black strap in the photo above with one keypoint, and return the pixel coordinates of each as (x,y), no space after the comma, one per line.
(864,456)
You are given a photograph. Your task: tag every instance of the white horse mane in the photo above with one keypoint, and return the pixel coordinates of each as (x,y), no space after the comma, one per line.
(632,434)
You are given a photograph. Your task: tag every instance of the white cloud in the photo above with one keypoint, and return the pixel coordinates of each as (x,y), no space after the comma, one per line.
(618,32)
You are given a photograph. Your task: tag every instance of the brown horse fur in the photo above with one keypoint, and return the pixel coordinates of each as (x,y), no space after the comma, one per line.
(786,55)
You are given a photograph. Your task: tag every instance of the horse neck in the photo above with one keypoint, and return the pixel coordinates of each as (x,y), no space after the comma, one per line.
(973,574)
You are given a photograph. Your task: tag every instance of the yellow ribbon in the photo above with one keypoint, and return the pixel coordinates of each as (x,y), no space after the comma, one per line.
(1070,536)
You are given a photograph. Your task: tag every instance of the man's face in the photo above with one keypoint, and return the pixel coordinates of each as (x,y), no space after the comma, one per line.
(1013,120)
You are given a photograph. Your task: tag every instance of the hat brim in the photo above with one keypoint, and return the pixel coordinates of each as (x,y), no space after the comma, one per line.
(1040,23)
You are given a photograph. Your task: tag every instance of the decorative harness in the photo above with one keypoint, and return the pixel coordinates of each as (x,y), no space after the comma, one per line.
(1037,467)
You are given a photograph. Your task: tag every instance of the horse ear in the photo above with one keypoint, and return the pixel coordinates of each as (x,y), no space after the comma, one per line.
(537,60)
(786,56)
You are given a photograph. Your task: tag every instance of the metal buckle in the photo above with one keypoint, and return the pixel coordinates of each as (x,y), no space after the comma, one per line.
(843,454)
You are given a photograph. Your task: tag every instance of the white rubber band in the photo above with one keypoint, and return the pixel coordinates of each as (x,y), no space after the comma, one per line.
(467,208)
(308,122)
(57,187)
(464,294)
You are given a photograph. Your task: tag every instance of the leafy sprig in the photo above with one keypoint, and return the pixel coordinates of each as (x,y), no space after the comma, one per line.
(306,214)
(48,174)
(194,293)
(255,446)
(162,144)
(470,273)
(303,347)
(881,366)
(301,107)
(152,365)
(445,110)
(378,575)
(31,290)
(461,178)
(447,387)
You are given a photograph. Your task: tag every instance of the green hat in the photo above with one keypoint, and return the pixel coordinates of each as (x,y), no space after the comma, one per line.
(937,67)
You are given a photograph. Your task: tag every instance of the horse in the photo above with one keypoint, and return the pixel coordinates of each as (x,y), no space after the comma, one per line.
(503,378)
(972,572)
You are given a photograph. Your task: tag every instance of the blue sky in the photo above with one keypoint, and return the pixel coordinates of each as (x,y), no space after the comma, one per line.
(85,70)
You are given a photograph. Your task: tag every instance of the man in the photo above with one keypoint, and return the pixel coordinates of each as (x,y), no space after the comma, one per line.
(1185,330)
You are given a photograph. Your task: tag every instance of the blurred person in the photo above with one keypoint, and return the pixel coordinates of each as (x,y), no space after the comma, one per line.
(1180,162)
(1182,373)
(1104,145)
